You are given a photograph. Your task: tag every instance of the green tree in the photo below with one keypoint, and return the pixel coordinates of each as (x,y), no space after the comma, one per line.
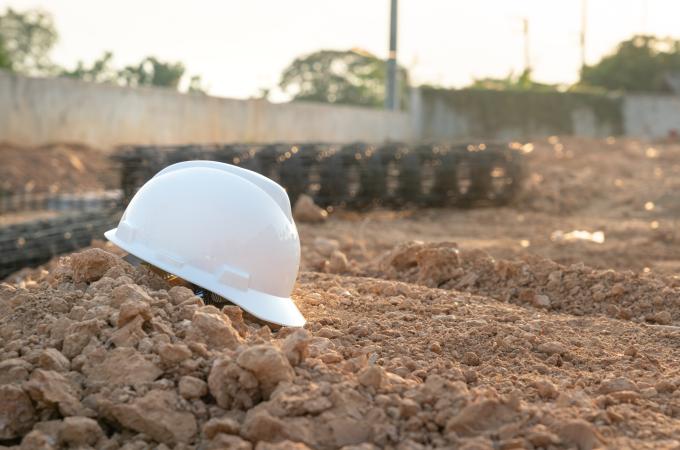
(28,39)
(196,85)
(523,82)
(352,77)
(641,63)
(101,71)
(5,62)
(152,72)
(149,72)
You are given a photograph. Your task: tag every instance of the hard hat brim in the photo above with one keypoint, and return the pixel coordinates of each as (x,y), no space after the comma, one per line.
(270,308)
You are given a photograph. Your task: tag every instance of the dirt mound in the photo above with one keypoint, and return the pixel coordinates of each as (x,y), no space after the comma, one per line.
(106,355)
(533,281)
(55,168)
(570,174)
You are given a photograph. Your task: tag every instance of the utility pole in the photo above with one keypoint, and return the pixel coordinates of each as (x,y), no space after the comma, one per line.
(391,91)
(527,57)
(584,24)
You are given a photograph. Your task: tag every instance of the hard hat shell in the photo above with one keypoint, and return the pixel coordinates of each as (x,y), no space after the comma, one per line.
(226,229)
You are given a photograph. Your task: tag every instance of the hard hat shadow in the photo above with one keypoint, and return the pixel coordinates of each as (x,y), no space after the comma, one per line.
(208,297)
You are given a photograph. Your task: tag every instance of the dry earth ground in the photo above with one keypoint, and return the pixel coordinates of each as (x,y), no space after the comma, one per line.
(509,339)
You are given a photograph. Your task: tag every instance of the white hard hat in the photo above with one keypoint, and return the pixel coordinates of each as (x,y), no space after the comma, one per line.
(226,229)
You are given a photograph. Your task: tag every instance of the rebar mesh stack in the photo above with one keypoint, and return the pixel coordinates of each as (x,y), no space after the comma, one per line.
(356,175)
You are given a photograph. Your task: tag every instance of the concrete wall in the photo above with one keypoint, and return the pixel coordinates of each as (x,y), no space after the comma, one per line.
(651,116)
(507,115)
(36,111)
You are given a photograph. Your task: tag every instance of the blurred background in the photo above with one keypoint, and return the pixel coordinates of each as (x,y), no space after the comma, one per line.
(540,110)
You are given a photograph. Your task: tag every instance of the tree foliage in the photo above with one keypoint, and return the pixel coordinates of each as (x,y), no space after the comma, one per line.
(5,62)
(101,70)
(352,77)
(149,72)
(27,39)
(523,82)
(641,63)
(152,72)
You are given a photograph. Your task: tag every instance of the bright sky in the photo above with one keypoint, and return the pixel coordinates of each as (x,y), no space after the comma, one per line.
(241,46)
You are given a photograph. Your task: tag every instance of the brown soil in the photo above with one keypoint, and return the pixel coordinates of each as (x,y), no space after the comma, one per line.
(54,168)
(508,339)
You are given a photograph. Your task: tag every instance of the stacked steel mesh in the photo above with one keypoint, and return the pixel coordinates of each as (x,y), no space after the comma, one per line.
(356,175)
(35,242)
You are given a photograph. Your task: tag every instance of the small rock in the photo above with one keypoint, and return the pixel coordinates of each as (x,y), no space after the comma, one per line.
(338,262)
(305,210)
(14,370)
(17,415)
(617,385)
(211,327)
(662,318)
(123,365)
(665,387)
(130,334)
(325,246)
(438,262)
(53,359)
(78,335)
(296,346)
(480,416)
(408,408)
(331,357)
(53,388)
(259,425)
(372,376)
(128,292)
(540,436)
(192,387)
(80,432)
(179,294)
(224,425)
(552,348)
(91,264)
(158,414)
(436,347)
(471,359)
(349,431)
(542,301)
(235,314)
(232,385)
(227,441)
(131,309)
(268,364)
(173,353)
(545,389)
(631,351)
(328,332)
(580,434)
(626,396)
(403,256)
(38,440)
(617,290)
